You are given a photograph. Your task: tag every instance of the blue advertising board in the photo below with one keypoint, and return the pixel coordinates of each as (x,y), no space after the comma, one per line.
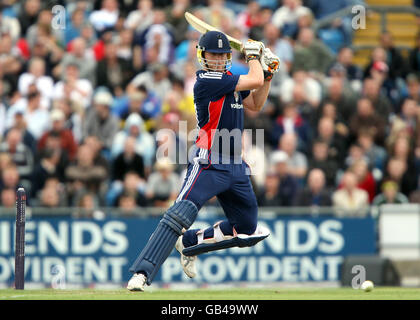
(92,251)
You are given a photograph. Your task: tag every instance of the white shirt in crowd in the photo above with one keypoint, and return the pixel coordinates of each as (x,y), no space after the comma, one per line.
(44,84)
(82,95)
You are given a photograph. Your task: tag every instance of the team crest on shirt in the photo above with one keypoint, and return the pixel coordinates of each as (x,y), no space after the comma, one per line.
(236,105)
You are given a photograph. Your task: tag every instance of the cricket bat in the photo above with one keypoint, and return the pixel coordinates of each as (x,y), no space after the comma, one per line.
(203,27)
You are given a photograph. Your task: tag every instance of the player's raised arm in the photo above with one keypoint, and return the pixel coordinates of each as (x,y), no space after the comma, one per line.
(256,99)
(255,77)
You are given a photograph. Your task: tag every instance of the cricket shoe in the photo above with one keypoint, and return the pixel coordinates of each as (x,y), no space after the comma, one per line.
(137,282)
(187,263)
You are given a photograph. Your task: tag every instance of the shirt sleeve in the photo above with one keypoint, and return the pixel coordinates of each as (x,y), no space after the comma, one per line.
(214,85)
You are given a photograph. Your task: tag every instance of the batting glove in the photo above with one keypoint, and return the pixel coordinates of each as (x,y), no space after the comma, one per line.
(270,64)
(253,50)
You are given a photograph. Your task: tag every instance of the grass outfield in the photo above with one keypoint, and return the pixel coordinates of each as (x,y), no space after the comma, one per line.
(381,293)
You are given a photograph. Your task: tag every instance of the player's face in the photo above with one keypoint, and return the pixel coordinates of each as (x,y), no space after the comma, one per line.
(216,61)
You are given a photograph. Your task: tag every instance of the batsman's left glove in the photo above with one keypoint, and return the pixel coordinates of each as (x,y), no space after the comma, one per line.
(253,50)
(270,64)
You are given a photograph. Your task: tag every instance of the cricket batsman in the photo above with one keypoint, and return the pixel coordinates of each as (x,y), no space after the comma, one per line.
(218,168)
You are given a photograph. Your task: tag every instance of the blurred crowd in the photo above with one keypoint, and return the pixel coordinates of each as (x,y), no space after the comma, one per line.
(85,91)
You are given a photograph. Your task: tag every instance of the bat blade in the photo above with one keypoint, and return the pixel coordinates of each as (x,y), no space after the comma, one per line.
(203,27)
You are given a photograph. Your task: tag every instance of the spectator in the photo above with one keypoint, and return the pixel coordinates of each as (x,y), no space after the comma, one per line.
(350,200)
(10,178)
(291,122)
(336,145)
(73,114)
(344,99)
(88,207)
(9,25)
(286,17)
(364,177)
(402,149)
(263,17)
(113,72)
(142,102)
(319,160)
(100,121)
(315,193)
(8,198)
(83,175)
(80,56)
(29,14)
(127,202)
(77,90)
(396,170)
(36,75)
(132,185)
(355,153)
(372,91)
(380,73)
(128,161)
(310,88)
(68,143)
(159,35)
(311,54)
(49,198)
(375,154)
(27,138)
(155,80)
(175,17)
(106,17)
(124,46)
(413,88)
(42,28)
(11,63)
(329,110)
(95,145)
(288,186)
(44,169)
(278,45)
(247,18)
(138,20)
(389,195)
(162,185)
(345,58)
(297,161)
(20,154)
(395,61)
(407,120)
(36,118)
(269,195)
(145,145)
(368,120)
(218,15)
(74,26)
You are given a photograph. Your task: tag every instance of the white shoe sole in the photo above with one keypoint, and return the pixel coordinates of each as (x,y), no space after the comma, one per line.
(186,261)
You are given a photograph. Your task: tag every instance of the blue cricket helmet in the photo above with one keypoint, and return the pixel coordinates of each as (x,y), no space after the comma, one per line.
(215,42)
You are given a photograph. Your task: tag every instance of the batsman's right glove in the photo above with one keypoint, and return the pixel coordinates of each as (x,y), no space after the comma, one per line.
(253,50)
(270,64)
